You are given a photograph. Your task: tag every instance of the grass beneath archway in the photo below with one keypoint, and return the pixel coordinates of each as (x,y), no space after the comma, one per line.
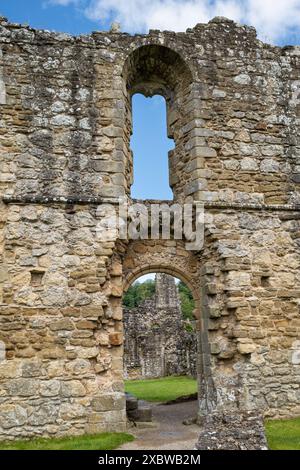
(163,389)
(281,434)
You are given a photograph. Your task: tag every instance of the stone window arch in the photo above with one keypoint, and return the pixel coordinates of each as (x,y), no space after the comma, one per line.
(144,257)
(155,69)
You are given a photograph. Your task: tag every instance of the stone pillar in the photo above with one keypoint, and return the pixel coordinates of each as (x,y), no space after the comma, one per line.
(166,292)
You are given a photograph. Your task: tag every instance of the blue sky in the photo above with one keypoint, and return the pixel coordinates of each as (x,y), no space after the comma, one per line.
(277,22)
(150,146)
(43,14)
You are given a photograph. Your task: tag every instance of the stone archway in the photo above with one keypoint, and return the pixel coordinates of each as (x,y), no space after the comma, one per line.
(171,257)
(168,257)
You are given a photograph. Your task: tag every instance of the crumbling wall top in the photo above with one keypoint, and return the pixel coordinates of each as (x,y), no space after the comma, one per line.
(24,33)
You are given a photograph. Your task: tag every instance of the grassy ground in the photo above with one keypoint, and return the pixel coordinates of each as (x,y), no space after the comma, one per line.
(283,434)
(164,389)
(104,441)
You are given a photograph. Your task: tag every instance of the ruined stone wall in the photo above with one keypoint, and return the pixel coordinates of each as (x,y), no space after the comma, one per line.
(63,372)
(65,125)
(250,288)
(156,340)
(236,100)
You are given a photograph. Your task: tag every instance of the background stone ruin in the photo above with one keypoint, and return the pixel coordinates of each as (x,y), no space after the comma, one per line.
(156,341)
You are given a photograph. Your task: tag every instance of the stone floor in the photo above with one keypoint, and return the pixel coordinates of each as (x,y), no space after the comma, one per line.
(169,432)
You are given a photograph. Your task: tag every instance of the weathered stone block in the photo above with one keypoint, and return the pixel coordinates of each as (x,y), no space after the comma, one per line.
(12,416)
(63,324)
(22,387)
(131,403)
(116,339)
(72,388)
(214,311)
(246,348)
(86,325)
(141,414)
(49,388)
(108,402)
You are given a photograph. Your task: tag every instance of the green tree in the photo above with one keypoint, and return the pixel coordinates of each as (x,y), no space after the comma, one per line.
(138,292)
(186,300)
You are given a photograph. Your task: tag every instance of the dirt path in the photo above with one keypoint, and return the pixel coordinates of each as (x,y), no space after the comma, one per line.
(169,433)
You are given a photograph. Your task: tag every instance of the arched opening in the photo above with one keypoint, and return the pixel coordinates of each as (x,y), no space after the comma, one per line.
(177,273)
(159,309)
(150,145)
(141,257)
(157,70)
(160,352)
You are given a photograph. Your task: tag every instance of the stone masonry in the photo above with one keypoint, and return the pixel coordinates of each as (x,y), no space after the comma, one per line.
(157,342)
(233,107)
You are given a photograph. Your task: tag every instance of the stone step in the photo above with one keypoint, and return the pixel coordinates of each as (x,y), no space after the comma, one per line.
(141,414)
(131,403)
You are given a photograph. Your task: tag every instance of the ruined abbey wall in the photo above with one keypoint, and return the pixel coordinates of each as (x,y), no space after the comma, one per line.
(65,124)
(157,341)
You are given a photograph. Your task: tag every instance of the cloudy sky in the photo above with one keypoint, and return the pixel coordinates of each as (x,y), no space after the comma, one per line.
(277,21)
(274,19)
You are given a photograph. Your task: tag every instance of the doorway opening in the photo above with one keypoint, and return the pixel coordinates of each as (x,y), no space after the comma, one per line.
(160,348)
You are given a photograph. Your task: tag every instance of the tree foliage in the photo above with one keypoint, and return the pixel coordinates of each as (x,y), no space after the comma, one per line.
(186,300)
(140,291)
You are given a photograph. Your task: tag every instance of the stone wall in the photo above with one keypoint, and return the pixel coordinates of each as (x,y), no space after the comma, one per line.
(65,124)
(251,293)
(156,340)
(233,106)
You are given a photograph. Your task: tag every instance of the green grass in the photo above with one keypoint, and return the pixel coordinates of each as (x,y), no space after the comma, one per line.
(159,390)
(104,441)
(283,434)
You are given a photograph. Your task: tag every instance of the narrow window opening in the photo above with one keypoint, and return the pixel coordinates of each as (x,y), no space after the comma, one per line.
(150,145)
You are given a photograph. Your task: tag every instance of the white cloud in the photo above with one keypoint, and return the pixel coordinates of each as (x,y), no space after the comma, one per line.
(274,19)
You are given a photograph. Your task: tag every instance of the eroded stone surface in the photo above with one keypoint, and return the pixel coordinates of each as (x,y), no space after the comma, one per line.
(244,431)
